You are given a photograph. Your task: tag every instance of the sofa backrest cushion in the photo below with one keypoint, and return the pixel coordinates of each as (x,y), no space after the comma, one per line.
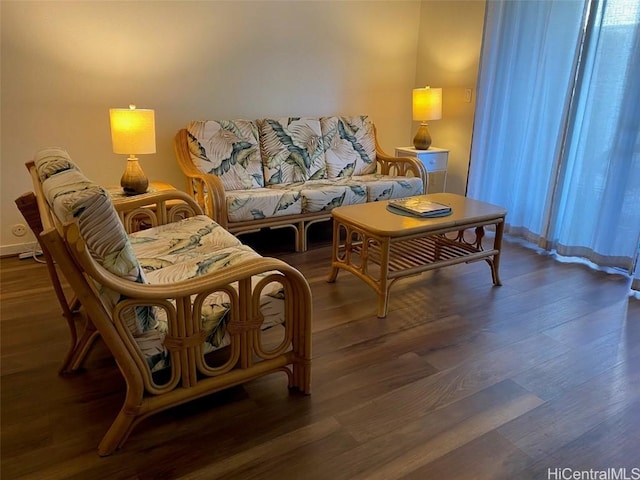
(73,197)
(292,150)
(350,146)
(229,149)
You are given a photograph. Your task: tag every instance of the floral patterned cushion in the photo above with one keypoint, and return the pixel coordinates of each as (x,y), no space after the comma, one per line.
(325,195)
(51,161)
(228,149)
(384,187)
(292,150)
(182,240)
(262,203)
(63,189)
(350,146)
(171,253)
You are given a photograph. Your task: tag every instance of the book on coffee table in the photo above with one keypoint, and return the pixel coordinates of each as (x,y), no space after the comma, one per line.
(420,206)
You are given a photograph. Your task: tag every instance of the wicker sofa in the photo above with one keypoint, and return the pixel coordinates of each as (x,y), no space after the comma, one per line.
(289,172)
(183,306)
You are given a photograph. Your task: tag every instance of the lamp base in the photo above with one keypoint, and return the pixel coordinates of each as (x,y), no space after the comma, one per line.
(422,140)
(134,181)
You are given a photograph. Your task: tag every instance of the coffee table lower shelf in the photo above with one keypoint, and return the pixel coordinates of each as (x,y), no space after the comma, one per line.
(419,255)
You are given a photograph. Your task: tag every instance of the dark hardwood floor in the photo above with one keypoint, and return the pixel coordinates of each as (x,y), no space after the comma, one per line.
(462,380)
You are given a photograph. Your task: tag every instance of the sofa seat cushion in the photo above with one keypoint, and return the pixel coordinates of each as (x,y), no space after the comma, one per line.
(229,149)
(292,150)
(350,146)
(385,187)
(325,195)
(260,203)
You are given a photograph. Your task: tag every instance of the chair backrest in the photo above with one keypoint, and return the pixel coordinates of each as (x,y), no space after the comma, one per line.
(28,206)
(65,245)
(74,198)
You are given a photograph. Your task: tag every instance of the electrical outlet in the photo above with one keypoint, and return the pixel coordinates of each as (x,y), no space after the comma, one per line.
(19,230)
(467,95)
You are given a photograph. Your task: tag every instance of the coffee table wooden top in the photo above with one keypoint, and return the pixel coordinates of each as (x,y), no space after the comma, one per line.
(376,219)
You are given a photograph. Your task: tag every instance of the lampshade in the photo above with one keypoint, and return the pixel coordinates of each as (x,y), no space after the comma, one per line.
(427,104)
(133,130)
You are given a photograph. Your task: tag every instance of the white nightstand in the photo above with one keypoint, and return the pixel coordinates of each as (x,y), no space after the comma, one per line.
(435,161)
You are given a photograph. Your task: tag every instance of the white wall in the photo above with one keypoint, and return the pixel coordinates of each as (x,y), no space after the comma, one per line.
(64,64)
(448,56)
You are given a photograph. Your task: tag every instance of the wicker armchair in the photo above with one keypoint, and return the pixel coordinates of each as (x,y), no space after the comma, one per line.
(184,307)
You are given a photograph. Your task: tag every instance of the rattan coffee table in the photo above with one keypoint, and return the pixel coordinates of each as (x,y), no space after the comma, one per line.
(381,247)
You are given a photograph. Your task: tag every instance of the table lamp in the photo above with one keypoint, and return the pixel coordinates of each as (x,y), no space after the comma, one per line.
(427,105)
(133,132)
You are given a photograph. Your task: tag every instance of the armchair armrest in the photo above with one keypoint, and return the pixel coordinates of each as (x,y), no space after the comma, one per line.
(155,208)
(207,190)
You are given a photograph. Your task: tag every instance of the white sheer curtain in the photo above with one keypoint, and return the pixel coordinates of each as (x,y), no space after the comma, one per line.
(557,128)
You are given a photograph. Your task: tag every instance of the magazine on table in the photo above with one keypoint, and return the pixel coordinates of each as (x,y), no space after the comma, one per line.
(420,206)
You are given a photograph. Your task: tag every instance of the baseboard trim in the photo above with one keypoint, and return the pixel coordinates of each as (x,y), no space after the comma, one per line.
(18,248)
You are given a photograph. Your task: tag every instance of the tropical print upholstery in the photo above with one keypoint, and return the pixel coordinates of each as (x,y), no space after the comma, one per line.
(262,203)
(385,187)
(325,195)
(51,161)
(292,150)
(109,244)
(350,146)
(173,252)
(190,236)
(228,149)
(63,189)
